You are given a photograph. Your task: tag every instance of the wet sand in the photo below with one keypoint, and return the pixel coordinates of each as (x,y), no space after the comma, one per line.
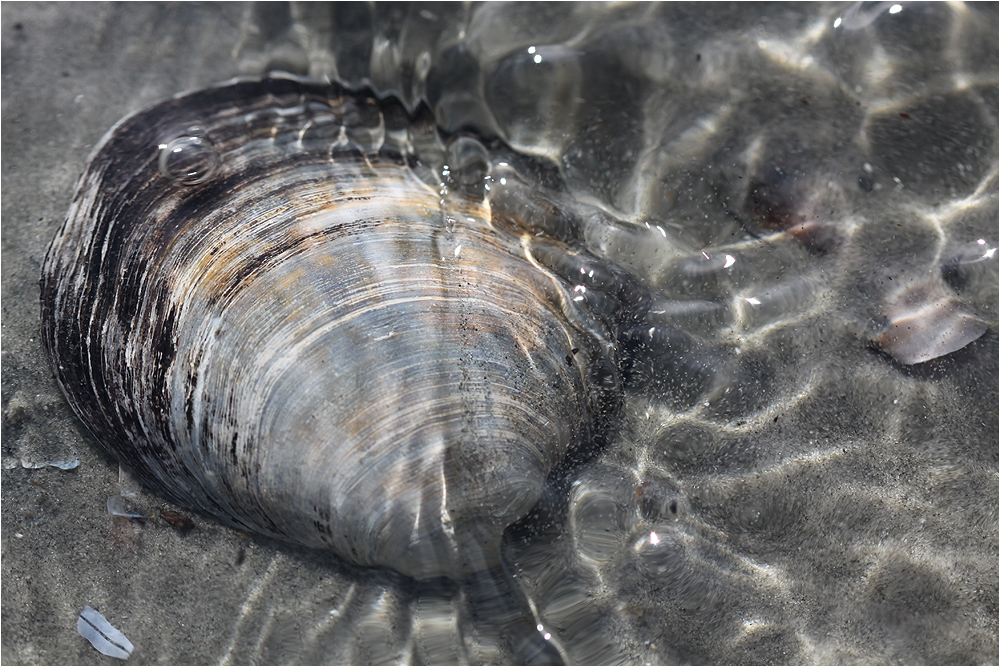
(836,506)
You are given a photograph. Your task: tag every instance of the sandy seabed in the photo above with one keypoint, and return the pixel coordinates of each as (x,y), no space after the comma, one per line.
(832,505)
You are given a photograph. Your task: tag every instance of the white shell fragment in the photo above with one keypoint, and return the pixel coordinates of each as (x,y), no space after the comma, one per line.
(926,322)
(103,636)
(62,464)
(124,505)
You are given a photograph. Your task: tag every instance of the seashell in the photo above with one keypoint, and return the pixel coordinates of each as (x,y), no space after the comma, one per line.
(925,322)
(264,302)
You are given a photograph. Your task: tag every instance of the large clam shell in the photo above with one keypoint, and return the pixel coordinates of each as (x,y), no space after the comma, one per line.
(262,302)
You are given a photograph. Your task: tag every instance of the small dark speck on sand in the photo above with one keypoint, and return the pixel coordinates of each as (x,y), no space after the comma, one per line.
(180,522)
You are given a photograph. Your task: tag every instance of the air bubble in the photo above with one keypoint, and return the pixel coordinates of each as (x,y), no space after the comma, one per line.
(323,128)
(189,160)
(364,125)
(469,165)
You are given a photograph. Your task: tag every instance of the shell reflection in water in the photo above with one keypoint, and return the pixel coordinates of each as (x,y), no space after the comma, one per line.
(264,303)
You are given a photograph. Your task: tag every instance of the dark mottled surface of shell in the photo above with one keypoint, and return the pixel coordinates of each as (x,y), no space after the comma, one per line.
(266,302)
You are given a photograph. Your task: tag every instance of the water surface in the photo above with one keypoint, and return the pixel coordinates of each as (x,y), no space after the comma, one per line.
(784,491)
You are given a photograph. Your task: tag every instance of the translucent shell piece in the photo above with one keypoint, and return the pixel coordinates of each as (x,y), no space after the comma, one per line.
(926,322)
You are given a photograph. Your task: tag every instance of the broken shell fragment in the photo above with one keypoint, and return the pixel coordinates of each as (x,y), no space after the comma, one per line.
(125,506)
(103,636)
(926,322)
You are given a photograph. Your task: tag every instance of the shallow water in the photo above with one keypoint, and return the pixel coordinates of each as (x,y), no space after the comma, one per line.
(781,491)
